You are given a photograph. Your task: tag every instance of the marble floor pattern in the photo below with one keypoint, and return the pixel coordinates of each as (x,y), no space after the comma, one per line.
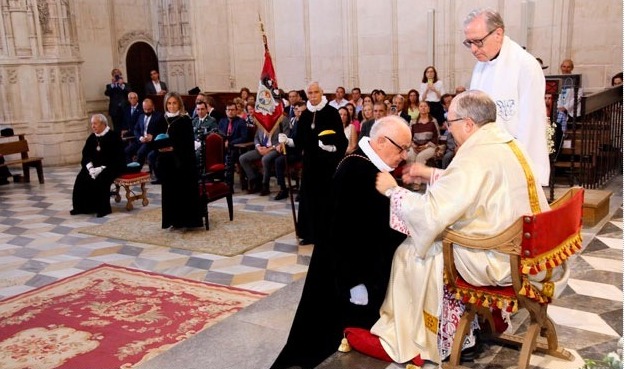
(39,244)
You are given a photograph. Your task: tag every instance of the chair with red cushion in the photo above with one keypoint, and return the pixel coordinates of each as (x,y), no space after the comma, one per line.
(535,243)
(212,177)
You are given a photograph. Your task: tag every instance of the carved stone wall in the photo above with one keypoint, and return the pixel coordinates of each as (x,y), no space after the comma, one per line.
(56,55)
(40,78)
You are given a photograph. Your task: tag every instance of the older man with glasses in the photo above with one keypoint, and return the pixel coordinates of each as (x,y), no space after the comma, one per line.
(486,188)
(514,79)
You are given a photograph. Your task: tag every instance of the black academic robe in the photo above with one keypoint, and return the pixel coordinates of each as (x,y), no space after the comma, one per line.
(179,179)
(93,195)
(362,239)
(313,334)
(318,167)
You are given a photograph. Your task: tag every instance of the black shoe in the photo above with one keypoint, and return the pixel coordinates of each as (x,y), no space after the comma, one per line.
(254,186)
(103,214)
(469,354)
(73,212)
(283,194)
(265,190)
(156,182)
(305,242)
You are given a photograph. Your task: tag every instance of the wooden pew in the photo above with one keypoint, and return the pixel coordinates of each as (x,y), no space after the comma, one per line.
(20,146)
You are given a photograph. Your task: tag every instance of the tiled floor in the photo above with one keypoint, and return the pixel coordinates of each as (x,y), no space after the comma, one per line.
(39,244)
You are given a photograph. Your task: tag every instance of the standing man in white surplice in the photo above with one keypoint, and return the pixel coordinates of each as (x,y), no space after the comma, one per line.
(513,78)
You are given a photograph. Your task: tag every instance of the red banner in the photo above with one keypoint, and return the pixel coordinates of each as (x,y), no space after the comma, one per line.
(269,109)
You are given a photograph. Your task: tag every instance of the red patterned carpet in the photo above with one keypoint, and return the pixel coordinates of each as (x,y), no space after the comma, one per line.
(109,317)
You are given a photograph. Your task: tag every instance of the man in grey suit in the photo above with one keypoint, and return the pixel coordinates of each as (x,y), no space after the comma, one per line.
(155,86)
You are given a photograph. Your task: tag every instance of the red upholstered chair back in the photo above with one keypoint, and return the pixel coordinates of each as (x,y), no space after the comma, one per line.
(214,153)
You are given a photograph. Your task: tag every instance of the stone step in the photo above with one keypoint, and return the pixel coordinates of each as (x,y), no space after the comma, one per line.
(596,204)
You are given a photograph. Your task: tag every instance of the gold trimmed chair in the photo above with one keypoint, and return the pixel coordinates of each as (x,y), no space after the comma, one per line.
(535,243)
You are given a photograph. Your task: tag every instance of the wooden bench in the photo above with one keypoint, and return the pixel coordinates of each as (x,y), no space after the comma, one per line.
(21,147)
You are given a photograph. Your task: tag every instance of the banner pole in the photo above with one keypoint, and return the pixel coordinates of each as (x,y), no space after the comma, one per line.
(288,177)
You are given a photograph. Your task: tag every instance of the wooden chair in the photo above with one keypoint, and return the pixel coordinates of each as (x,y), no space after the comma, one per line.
(535,243)
(212,177)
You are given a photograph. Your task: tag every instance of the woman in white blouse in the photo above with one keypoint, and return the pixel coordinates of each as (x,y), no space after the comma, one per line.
(431,90)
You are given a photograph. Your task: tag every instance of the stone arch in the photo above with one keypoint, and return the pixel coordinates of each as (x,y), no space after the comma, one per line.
(127,40)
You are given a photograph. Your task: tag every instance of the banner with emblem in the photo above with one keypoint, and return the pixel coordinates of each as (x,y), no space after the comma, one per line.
(268,112)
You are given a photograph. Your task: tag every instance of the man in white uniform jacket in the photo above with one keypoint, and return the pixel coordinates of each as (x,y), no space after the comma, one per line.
(514,79)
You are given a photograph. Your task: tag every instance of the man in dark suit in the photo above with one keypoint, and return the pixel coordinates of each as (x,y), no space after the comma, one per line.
(117,91)
(131,113)
(155,86)
(148,126)
(213,112)
(234,130)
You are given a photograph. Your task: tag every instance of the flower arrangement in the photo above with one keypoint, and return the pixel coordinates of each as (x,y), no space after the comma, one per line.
(613,360)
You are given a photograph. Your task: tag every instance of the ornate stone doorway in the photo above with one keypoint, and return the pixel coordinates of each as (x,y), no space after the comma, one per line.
(140,59)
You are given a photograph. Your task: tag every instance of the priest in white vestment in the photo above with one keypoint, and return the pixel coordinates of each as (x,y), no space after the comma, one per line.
(483,191)
(514,79)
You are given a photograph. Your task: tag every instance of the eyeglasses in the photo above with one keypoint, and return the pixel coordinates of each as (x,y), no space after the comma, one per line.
(401,149)
(455,120)
(478,43)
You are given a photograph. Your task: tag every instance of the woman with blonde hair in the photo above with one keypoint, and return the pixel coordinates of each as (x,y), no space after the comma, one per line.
(177,169)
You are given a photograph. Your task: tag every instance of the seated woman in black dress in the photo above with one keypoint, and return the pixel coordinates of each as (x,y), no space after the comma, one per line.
(102,161)
(176,168)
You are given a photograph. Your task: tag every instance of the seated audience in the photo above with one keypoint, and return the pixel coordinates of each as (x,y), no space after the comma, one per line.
(617,79)
(424,136)
(354,116)
(365,100)
(149,125)
(379,111)
(266,150)
(400,108)
(130,114)
(102,161)
(234,131)
(413,106)
(202,126)
(339,98)
(349,130)
(356,99)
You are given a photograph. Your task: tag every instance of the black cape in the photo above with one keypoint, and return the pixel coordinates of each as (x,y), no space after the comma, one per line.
(179,178)
(318,167)
(94,195)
